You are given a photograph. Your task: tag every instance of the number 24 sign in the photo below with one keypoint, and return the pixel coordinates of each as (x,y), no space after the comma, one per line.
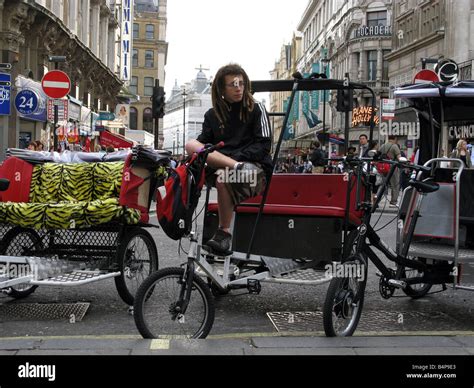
(26,102)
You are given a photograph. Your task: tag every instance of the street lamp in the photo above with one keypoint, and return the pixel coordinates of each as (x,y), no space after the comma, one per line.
(56,59)
(184,94)
(325,62)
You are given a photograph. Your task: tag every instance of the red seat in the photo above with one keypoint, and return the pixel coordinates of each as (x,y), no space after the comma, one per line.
(317,195)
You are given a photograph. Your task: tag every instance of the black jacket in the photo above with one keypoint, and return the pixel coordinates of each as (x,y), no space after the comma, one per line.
(244,142)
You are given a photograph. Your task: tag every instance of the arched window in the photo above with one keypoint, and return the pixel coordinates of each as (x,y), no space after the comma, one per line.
(148,120)
(133,118)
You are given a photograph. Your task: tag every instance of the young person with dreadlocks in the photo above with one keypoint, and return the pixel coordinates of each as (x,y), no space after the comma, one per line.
(242,124)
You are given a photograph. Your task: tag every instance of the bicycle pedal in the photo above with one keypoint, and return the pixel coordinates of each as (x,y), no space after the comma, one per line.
(215,253)
(397,283)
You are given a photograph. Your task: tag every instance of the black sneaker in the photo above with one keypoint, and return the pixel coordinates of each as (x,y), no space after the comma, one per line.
(221,242)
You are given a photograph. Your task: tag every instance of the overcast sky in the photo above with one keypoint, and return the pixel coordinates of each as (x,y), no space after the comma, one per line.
(213,33)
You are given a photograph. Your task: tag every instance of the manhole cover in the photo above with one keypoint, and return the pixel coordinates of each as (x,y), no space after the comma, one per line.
(43,311)
(309,321)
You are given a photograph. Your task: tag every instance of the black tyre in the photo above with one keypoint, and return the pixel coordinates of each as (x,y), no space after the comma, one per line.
(21,242)
(345,296)
(156,308)
(415,291)
(137,258)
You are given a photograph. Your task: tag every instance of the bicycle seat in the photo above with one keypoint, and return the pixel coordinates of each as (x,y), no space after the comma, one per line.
(424,187)
(4,184)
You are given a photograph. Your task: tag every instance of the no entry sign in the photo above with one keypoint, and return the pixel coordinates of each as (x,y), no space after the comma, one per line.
(426,77)
(56,84)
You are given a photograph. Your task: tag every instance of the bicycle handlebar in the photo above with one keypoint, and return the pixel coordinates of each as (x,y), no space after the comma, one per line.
(357,160)
(208,148)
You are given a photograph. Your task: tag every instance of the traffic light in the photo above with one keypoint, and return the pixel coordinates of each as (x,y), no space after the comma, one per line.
(158,102)
(345,100)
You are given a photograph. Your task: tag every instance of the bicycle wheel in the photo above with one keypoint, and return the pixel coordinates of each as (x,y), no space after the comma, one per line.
(415,291)
(157,306)
(20,242)
(137,259)
(345,296)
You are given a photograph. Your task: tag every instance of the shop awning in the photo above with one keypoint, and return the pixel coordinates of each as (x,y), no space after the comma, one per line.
(115,140)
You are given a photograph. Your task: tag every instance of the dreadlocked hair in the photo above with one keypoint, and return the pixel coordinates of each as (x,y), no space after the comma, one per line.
(221,106)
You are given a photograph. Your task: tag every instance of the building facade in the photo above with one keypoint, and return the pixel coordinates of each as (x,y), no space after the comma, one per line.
(432,30)
(185,111)
(149,55)
(284,69)
(88,33)
(338,38)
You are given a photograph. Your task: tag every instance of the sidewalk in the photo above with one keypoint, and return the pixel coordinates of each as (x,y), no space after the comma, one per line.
(266,344)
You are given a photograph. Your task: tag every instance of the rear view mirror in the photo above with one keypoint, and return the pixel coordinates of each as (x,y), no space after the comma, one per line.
(372,153)
(4,184)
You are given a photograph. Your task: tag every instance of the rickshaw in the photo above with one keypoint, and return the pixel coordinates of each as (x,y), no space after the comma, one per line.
(435,233)
(287,235)
(75,218)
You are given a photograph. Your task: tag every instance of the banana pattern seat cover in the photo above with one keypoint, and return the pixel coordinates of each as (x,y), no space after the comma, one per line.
(69,196)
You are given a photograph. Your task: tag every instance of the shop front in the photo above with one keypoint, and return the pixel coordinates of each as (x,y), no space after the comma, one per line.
(33,126)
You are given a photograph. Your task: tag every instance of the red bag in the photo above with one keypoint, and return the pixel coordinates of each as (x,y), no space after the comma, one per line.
(383,168)
(179,197)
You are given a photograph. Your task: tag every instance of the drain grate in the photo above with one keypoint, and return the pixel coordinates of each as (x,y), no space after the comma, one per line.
(43,311)
(310,321)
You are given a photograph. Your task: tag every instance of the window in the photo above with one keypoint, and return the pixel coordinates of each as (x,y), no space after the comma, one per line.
(135,58)
(148,86)
(147,120)
(133,118)
(372,65)
(149,61)
(375,19)
(134,85)
(136,31)
(150,32)
(385,66)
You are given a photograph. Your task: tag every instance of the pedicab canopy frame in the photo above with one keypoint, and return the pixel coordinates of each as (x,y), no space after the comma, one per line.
(313,82)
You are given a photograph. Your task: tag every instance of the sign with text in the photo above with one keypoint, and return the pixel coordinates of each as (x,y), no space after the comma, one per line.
(63,109)
(26,102)
(126,40)
(362,116)
(5,93)
(388,109)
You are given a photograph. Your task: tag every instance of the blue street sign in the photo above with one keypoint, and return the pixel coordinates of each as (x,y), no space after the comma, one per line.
(106,116)
(5,91)
(26,102)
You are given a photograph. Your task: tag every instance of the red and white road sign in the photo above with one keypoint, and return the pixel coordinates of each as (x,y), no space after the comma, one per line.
(426,77)
(56,84)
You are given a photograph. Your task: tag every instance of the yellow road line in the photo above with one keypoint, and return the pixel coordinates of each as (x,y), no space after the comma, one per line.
(166,340)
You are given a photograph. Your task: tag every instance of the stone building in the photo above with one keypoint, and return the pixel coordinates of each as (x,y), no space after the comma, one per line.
(148,61)
(431,30)
(340,37)
(88,33)
(185,111)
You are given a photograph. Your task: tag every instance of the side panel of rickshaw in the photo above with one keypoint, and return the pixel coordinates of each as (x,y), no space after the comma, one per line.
(303,218)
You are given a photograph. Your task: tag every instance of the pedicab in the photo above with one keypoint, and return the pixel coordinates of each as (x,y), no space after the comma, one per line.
(75,218)
(435,221)
(447,235)
(286,235)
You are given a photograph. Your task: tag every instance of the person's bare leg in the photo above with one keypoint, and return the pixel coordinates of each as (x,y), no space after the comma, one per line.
(215,159)
(226,207)
(225,204)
